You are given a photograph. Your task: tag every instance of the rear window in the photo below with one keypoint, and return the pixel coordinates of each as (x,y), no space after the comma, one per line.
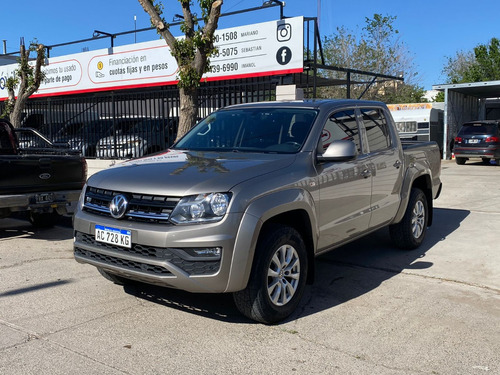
(478,129)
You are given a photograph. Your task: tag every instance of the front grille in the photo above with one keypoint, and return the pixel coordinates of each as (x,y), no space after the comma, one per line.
(142,207)
(148,253)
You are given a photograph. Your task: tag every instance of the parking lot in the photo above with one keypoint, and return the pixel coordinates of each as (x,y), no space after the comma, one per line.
(372,309)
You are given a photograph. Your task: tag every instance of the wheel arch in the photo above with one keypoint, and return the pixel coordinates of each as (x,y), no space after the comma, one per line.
(299,220)
(293,207)
(422,182)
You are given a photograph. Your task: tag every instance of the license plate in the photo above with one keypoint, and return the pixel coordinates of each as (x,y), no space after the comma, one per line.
(44,198)
(113,236)
(473,141)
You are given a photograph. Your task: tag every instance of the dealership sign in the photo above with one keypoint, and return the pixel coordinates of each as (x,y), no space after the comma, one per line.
(267,48)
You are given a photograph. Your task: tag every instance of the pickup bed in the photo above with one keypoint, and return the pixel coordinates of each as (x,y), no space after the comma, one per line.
(42,181)
(245,201)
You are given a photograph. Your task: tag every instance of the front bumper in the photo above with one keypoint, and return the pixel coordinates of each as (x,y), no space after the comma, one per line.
(158,255)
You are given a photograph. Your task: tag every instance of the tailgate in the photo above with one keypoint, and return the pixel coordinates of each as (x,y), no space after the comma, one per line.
(34,173)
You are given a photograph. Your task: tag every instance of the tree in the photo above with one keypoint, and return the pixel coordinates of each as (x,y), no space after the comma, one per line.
(27,78)
(377,49)
(439,98)
(192,53)
(487,67)
(481,64)
(456,67)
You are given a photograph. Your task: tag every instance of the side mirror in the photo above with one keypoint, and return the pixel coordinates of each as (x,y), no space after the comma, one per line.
(339,151)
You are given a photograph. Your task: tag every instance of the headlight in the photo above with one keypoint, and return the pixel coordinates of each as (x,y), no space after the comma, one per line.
(202,208)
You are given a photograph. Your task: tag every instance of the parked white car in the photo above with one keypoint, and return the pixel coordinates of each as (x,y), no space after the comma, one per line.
(146,136)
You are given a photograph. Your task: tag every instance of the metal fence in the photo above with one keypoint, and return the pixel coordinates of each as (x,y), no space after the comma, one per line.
(133,123)
(125,124)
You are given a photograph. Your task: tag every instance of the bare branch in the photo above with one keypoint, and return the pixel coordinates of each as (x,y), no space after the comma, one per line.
(157,22)
(24,58)
(188,19)
(208,31)
(213,18)
(38,76)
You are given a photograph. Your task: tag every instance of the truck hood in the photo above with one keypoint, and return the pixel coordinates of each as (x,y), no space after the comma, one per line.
(181,173)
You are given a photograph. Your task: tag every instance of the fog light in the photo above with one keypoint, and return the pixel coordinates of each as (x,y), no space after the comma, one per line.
(211,251)
(205,253)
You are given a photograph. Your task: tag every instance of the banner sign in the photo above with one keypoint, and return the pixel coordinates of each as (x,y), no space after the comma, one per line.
(409,106)
(268,48)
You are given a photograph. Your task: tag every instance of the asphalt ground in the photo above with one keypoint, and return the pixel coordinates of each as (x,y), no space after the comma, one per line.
(372,309)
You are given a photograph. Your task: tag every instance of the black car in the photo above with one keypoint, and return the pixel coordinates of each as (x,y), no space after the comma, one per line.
(478,139)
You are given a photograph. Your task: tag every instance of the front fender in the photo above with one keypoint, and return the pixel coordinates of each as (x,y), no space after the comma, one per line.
(258,212)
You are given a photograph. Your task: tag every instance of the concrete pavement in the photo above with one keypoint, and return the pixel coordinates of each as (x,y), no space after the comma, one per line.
(372,309)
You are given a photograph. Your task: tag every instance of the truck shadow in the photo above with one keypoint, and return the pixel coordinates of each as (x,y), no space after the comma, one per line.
(19,226)
(341,275)
(361,266)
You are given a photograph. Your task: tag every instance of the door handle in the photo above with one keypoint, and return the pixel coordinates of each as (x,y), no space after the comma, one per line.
(366,173)
(397,164)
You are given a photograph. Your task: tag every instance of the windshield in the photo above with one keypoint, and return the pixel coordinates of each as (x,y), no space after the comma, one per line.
(281,130)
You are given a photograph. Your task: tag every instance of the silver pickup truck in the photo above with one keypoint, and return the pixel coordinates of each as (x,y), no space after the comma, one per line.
(245,201)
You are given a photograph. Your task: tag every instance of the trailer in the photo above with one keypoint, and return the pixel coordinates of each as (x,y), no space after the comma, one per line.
(419,121)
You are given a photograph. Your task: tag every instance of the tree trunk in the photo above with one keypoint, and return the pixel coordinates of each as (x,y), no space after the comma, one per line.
(188,110)
(15,116)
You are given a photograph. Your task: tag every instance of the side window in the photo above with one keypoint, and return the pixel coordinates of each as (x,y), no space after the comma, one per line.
(377,131)
(340,125)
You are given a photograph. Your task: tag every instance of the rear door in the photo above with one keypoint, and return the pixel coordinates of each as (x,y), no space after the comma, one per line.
(385,164)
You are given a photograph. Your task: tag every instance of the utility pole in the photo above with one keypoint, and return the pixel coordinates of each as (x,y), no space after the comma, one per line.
(135,29)
(319,13)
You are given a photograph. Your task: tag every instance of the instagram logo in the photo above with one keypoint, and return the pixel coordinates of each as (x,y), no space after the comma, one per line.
(284,32)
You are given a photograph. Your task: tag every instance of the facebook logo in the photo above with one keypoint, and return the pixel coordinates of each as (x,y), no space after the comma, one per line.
(284,55)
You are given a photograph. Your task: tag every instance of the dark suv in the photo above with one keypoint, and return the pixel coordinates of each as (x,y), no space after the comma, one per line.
(478,139)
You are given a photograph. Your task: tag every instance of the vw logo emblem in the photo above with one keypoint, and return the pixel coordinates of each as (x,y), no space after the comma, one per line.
(118,206)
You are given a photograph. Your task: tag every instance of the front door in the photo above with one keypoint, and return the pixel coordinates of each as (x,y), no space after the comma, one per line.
(345,187)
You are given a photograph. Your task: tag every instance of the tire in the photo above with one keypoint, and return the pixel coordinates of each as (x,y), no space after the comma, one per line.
(486,161)
(278,276)
(409,233)
(44,219)
(114,278)
(460,161)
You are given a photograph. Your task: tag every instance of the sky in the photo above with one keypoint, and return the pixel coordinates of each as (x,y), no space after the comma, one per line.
(431,30)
